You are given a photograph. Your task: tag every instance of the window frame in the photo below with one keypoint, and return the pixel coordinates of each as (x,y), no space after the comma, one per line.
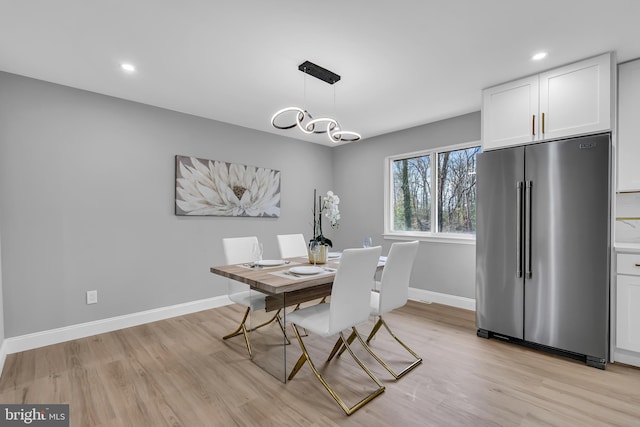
(434,236)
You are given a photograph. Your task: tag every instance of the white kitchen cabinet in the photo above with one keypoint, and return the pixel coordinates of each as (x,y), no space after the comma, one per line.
(629,126)
(509,113)
(567,101)
(628,302)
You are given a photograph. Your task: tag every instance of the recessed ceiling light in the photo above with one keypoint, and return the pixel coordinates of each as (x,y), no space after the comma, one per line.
(129,68)
(539,56)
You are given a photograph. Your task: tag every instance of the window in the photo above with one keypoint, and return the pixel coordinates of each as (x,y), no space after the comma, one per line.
(432,193)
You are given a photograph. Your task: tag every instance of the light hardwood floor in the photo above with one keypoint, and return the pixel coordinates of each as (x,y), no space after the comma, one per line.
(178,372)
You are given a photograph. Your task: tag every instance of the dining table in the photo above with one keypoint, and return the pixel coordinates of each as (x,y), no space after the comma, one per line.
(286,284)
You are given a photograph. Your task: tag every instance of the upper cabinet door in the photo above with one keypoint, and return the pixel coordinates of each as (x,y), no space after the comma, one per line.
(576,99)
(509,113)
(629,126)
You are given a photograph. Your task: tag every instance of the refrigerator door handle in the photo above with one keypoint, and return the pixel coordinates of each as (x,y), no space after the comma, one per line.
(528,221)
(519,219)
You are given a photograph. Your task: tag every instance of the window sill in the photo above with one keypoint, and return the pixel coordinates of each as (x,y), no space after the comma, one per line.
(464,239)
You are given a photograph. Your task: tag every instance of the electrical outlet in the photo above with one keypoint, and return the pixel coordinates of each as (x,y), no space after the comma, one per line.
(92,297)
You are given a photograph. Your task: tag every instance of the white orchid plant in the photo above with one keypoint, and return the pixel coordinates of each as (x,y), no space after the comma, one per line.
(326,206)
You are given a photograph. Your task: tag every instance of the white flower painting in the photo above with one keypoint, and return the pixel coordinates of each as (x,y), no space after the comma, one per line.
(216,188)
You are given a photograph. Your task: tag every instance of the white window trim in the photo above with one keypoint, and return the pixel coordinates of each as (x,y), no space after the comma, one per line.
(456,238)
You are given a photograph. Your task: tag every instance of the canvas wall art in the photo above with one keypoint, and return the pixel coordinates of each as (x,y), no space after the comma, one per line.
(217,188)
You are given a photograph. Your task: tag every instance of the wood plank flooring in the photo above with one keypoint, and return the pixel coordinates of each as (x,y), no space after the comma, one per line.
(178,372)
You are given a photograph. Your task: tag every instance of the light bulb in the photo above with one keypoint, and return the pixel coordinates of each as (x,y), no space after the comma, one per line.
(129,68)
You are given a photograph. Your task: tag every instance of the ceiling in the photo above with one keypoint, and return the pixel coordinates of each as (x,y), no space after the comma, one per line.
(402,63)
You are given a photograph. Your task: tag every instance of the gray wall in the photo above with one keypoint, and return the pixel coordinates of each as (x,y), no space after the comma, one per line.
(87,202)
(359,176)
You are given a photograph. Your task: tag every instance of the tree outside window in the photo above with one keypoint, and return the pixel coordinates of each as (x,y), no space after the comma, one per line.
(454,192)
(412,194)
(457,191)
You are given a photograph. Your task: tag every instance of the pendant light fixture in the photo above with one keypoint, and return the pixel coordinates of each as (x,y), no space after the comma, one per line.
(304,121)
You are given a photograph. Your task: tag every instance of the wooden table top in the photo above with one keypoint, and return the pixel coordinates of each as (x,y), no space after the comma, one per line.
(263,280)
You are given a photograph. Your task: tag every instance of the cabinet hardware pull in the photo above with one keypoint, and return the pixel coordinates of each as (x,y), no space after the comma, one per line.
(637,265)
(542,122)
(533,125)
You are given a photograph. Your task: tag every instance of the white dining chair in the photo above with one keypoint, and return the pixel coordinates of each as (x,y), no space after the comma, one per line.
(239,250)
(292,245)
(349,307)
(394,292)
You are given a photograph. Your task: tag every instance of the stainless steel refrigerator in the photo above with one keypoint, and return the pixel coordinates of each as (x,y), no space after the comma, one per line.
(543,245)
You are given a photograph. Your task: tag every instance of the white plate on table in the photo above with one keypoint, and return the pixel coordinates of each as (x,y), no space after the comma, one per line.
(270,262)
(334,255)
(306,270)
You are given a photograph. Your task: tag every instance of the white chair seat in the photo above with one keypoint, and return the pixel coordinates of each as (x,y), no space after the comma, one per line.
(314,319)
(252,299)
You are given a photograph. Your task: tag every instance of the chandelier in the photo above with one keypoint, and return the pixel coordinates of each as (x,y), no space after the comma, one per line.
(304,121)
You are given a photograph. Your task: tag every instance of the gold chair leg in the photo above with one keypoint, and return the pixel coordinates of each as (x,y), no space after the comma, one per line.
(352,336)
(296,368)
(387,367)
(375,329)
(246,341)
(337,346)
(275,317)
(242,330)
(305,358)
(284,331)
(240,327)
(373,332)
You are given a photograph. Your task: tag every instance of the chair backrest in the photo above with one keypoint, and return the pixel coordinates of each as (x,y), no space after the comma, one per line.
(292,245)
(350,294)
(238,250)
(394,283)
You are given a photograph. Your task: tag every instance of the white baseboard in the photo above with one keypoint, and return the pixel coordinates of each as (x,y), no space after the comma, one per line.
(67,333)
(626,357)
(422,295)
